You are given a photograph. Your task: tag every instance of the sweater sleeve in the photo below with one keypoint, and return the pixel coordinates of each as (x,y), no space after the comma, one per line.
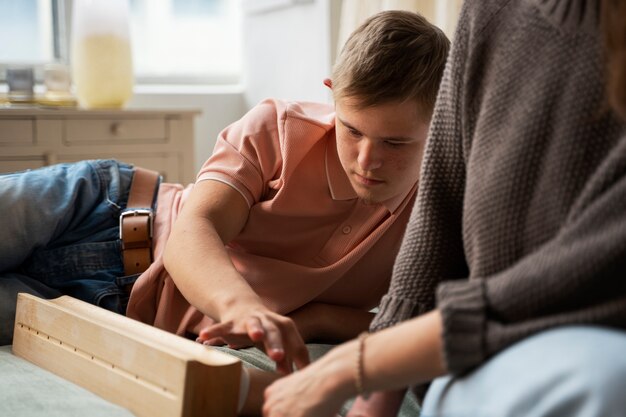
(577,277)
(432,246)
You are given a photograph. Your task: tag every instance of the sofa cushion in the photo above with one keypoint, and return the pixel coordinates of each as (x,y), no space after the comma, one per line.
(28,390)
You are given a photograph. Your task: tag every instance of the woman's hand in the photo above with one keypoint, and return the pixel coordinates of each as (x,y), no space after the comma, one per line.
(378,404)
(400,356)
(318,390)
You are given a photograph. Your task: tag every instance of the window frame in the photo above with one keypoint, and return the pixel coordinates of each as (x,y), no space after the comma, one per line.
(60,43)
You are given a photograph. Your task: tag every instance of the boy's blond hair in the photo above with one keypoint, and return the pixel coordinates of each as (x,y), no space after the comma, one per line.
(393,56)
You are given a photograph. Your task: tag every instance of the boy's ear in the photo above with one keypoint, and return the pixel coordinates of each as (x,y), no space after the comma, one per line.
(328,83)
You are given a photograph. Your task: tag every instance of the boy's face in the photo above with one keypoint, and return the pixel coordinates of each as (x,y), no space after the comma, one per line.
(381,147)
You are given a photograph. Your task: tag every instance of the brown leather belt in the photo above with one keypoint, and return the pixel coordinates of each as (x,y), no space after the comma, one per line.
(136,221)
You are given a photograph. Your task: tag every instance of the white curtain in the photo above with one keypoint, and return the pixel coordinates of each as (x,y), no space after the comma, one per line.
(443,13)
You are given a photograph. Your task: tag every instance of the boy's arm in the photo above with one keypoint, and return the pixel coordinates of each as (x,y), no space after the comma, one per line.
(329,323)
(197,260)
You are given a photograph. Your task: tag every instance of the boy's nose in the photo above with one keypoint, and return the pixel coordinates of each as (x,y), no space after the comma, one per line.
(369,157)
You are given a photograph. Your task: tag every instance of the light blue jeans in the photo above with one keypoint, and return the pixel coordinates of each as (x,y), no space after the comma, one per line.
(577,371)
(59,234)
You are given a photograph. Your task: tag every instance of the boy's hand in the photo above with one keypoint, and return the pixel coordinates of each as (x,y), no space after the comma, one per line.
(275,334)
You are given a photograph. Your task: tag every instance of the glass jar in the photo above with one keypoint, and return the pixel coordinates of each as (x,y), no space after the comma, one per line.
(101,59)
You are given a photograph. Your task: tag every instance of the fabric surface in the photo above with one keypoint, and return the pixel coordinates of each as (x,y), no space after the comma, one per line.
(573,371)
(255,358)
(28,390)
(60,227)
(60,235)
(308,237)
(523,185)
(10,285)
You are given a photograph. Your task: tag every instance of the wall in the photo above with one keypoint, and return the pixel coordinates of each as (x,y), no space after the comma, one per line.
(288,49)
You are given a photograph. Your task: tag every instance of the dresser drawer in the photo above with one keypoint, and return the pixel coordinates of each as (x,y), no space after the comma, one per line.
(162,140)
(81,131)
(21,164)
(17,132)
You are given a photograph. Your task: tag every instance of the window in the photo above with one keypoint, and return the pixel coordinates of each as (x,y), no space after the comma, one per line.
(173,41)
(31,33)
(28,24)
(186,40)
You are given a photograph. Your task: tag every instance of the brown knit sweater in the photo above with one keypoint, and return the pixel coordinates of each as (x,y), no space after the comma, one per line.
(520,220)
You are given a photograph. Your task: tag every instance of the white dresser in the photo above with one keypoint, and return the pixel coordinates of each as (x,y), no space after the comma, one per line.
(161,140)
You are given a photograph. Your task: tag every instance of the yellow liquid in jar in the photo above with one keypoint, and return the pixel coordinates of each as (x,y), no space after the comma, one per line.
(103,71)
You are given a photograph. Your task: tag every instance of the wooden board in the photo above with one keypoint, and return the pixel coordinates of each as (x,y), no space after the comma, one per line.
(144,369)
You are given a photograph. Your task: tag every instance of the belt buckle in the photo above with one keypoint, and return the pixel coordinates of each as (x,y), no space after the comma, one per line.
(137,212)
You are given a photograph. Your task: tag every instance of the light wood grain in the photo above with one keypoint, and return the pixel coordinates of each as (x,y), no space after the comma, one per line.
(147,370)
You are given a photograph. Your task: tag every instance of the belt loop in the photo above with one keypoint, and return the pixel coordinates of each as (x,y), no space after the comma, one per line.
(137,220)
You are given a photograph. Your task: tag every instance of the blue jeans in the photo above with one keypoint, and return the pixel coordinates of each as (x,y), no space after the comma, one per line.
(577,371)
(59,229)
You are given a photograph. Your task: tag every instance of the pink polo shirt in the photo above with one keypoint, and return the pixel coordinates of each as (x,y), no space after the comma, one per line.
(308,237)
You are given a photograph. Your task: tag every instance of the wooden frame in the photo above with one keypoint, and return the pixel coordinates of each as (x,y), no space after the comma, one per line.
(144,369)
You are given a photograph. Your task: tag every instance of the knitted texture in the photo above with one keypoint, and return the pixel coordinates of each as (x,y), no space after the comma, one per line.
(520,219)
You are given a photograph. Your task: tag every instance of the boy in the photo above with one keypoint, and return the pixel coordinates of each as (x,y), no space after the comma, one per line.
(290,231)
(314,210)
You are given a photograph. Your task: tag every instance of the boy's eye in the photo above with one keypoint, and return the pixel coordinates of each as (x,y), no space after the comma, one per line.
(354,132)
(394,144)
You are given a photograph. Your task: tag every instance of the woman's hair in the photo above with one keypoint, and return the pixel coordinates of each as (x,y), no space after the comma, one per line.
(393,56)
(613,22)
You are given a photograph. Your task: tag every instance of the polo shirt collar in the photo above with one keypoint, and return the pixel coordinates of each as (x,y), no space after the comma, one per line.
(339,183)
(395,202)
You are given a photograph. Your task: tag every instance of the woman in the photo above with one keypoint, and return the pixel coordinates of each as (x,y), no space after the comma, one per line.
(513,260)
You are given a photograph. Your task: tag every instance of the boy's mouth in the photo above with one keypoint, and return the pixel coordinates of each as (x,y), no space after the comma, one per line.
(368,181)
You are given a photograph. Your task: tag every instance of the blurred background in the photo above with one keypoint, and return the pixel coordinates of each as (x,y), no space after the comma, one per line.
(218,56)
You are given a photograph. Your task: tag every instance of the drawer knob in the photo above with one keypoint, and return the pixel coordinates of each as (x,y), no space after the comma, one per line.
(117,129)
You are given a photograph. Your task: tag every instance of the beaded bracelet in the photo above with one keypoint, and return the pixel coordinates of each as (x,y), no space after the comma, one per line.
(360,372)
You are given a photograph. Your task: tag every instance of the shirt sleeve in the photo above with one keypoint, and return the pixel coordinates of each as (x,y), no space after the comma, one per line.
(247,154)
